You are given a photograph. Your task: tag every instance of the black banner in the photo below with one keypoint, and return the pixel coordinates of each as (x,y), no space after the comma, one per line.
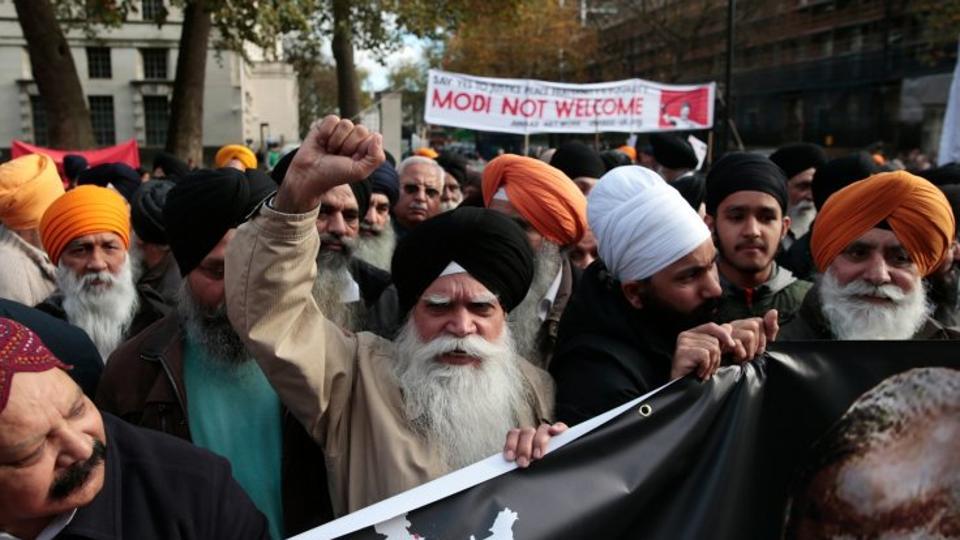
(697,460)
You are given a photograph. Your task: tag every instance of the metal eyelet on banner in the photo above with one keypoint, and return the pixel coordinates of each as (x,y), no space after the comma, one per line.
(645,410)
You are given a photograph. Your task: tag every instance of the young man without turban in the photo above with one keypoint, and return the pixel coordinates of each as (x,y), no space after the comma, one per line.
(874,241)
(69,471)
(746,211)
(190,375)
(641,315)
(86,233)
(391,415)
(553,212)
(799,162)
(28,185)
(421,184)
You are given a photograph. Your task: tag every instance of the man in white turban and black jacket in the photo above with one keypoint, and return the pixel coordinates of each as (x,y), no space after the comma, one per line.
(641,317)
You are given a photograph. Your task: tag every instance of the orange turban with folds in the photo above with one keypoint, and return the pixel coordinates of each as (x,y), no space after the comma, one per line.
(84,210)
(427,152)
(235,151)
(28,185)
(917,212)
(542,194)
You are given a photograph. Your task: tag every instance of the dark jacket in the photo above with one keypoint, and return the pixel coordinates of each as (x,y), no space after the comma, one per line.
(65,341)
(799,259)
(382,313)
(164,278)
(944,292)
(607,351)
(143,384)
(782,292)
(152,308)
(550,329)
(156,486)
(811,324)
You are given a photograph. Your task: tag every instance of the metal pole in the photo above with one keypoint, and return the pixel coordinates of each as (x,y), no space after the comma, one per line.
(728,76)
(526,144)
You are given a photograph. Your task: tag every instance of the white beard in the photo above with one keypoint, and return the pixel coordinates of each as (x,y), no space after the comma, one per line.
(464,411)
(525,320)
(332,277)
(446,206)
(853,319)
(377,250)
(801,216)
(104,312)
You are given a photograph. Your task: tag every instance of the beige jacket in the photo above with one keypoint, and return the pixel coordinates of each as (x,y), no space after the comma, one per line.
(26,273)
(338,384)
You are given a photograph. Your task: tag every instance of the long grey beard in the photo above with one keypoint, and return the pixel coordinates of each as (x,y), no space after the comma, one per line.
(463,411)
(525,320)
(377,250)
(105,314)
(801,216)
(332,278)
(135,256)
(853,319)
(210,329)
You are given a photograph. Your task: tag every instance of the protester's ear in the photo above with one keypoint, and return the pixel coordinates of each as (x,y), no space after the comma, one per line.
(786,227)
(709,220)
(633,292)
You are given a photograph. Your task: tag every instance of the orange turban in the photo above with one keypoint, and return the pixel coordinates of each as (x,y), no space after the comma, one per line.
(915,209)
(28,185)
(542,194)
(426,152)
(630,151)
(235,151)
(84,210)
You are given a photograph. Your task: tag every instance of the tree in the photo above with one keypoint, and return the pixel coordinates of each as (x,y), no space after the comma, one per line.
(55,73)
(185,130)
(317,82)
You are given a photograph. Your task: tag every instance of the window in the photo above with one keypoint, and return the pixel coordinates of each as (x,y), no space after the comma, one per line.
(154,63)
(101,116)
(151,9)
(98,63)
(156,114)
(39,113)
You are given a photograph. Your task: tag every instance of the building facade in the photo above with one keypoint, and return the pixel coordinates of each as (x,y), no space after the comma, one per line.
(127,75)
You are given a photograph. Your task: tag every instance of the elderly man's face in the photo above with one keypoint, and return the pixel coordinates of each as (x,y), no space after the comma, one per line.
(877,258)
(100,252)
(206,280)
(800,187)
(339,217)
(420,188)
(507,209)
(585,251)
(908,488)
(378,215)
(451,196)
(51,450)
(458,305)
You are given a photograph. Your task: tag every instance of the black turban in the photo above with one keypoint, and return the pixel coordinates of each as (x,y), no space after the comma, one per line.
(361,190)
(73,165)
(943,175)
(576,159)
(487,244)
(385,180)
(206,204)
(673,151)
(146,212)
(615,158)
(839,173)
(743,171)
(123,177)
(171,166)
(798,157)
(693,187)
(455,164)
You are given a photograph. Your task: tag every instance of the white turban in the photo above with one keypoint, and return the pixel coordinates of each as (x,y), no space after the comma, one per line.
(642,225)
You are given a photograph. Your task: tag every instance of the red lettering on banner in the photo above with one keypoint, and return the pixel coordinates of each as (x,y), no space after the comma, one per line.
(461,101)
(526,108)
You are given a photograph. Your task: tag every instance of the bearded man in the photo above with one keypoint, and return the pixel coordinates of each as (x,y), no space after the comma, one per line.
(377,239)
(421,184)
(190,375)
(155,266)
(454,177)
(640,317)
(873,243)
(71,472)
(799,163)
(28,186)
(390,415)
(746,211)
(86,233)
(553,212)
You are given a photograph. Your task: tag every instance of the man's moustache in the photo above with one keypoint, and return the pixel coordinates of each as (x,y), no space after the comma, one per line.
(77,474)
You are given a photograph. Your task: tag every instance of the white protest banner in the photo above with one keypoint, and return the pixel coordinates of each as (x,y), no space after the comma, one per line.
(530,106)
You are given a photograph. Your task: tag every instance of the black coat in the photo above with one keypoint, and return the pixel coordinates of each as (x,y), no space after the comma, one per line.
(67,342)
(152,308)
(379,296)
(607,351)
(157,486)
